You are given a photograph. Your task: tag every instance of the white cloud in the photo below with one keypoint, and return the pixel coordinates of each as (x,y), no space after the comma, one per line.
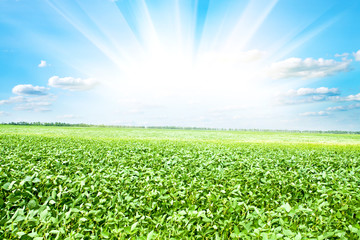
(72,84)
(29,103)
(316,95)
(352,97)
(357,55)
(314,114)
(42,64)
(308,95)
(345,99)
(46,98)
(331,109)
(342,55)
(307,68)
(313,91)
(2,113)
(311,99)
(29,90)
(12,100)
(344,108)
(34,106)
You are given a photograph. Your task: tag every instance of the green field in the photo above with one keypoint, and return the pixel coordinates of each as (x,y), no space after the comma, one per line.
(130,183)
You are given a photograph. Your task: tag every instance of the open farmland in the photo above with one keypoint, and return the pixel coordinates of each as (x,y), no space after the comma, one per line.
(121,183)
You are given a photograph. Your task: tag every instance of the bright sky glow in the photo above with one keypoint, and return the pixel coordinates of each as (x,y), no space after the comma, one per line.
(271,64)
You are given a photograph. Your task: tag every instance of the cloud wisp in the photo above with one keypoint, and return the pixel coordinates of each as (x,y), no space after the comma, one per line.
(308,95)
(314,114)
(11,100)
(329,110)
(348,98)
(34,106)
(311,95)
(314,91)
(72,84)
(30,98)
(344,108)
(42,64)
(357,55)
(30,90)
(307,68)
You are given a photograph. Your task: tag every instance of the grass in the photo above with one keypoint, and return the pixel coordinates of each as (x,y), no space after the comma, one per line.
(120,183)
(182,135)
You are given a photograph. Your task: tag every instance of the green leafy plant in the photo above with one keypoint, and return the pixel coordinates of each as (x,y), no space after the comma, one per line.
(62,185)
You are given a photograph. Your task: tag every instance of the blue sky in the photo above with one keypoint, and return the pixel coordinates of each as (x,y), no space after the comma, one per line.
(206,63)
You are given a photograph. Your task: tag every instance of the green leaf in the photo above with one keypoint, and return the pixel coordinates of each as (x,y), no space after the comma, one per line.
(32,204)
(75,210)
(33,234)
(36,180)
(150,235)
(236,230)
(206,219)
(44,214)
(182,212)
(7,186)
(105,234)
(26,179)
(79,235)
(288,232)
(287,207)
(353,229)
(20,234)
(264,236)
(133,226)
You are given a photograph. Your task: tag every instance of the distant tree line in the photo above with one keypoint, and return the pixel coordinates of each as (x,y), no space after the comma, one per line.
(61,124)
(58,124)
